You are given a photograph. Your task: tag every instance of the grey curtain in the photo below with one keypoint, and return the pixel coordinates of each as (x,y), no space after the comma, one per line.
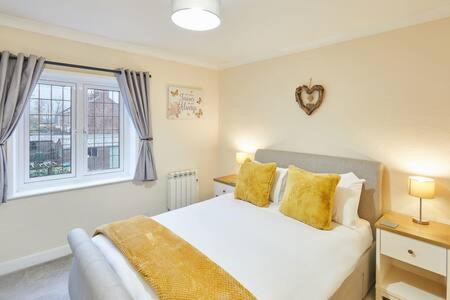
(18,77)
(135,88)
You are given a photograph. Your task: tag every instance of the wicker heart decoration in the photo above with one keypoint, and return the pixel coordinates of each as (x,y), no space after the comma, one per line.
(309,98)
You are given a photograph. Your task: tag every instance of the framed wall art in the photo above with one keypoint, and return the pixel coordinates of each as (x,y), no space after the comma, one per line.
(184,103)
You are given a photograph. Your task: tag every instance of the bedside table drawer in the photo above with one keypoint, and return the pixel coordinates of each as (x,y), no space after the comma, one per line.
(414,252)
(220,189)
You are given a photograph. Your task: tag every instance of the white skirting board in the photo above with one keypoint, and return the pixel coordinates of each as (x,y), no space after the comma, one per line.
(21,263)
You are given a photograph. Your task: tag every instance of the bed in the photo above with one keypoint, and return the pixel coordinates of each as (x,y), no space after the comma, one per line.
(275,257)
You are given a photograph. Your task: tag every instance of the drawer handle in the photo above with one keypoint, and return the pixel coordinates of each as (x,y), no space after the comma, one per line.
(224,191)
(410,252)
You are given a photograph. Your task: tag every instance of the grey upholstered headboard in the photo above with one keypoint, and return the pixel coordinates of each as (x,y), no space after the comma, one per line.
(370,206)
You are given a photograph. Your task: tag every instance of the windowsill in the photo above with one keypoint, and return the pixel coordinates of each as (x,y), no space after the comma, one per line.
(68,187)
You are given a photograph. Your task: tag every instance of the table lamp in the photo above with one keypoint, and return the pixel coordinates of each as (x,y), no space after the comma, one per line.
(241,157)
(423,188)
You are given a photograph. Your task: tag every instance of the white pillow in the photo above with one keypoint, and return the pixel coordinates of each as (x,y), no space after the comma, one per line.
(276,192)
(346,200)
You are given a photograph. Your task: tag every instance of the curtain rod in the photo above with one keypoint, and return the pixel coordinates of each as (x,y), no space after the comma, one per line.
(68,65)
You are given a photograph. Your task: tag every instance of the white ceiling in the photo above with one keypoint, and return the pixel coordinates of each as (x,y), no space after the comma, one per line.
(251,29)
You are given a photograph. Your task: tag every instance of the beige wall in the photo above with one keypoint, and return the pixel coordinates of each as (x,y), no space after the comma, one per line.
(387,99)
(40,223)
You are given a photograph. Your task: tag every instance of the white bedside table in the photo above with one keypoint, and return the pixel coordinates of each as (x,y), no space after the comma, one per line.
(224,184)
(413,260)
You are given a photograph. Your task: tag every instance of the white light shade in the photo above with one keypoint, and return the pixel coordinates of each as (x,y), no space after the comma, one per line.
(242,156)
(421,187)
(198,15)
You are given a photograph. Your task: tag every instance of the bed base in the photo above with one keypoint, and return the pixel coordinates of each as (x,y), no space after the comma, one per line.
(361,280)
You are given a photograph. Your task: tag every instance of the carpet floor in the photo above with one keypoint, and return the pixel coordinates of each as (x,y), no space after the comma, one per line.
(43,282)
(48,282)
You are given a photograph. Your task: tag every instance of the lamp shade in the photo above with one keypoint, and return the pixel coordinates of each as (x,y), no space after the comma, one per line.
(241,157)
(198,15)
(421,187)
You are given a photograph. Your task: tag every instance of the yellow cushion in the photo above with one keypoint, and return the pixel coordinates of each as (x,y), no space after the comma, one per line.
(255,182)
(308,197)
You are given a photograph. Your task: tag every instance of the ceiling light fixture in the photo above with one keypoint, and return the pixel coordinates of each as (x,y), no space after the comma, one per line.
(198,15)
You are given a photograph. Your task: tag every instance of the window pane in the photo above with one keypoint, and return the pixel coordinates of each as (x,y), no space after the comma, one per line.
(107,122)
(67,93)
(45,91)
(91,124)
(98,124)
(91,163)
(108,108)
(44,131)
(67,126)
(115,123)
(57,107)
(56,125)
(103,129)
(98,95)
(34,135)
(45,119)
(115,109)
(57,92)
(90,143)
(66,107)
(115,161)
(45,106)
(116,97)
(35,93)
(115,151)
(116,136)
(34,122)
(98,109)
(67,142)
(50,131)
(34,106)
(107,139)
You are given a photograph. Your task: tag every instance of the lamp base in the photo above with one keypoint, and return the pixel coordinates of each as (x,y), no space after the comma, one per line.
(421,222)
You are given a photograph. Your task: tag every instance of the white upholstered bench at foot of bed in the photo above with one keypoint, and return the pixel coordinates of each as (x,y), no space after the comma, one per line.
(91,277)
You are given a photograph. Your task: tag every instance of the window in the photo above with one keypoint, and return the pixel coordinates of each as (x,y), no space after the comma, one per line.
(50,130)
(72,134)
(103,129)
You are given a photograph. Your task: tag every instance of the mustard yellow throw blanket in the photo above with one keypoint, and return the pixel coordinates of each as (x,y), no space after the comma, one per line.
(169,264)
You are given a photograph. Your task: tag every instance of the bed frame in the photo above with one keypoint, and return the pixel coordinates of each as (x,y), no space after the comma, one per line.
(91,276)
(362,279)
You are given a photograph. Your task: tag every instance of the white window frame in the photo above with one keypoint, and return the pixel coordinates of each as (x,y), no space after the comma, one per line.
(20,185)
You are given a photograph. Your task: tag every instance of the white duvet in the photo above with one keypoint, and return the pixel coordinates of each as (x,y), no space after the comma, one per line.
(273,256)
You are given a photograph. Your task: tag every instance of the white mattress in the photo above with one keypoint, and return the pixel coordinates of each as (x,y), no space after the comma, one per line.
(273,256)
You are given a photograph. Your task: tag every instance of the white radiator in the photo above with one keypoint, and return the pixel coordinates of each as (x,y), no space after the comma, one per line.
(182,188)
